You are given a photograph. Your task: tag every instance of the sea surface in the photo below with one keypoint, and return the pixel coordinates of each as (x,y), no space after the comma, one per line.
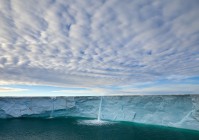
(86,129)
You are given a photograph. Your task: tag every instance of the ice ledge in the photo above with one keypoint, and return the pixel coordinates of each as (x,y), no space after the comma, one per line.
(168,110)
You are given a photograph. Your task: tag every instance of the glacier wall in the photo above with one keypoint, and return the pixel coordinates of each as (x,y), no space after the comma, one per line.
(168,110)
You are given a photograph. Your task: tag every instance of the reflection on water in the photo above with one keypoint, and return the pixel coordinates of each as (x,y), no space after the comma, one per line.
(85,129)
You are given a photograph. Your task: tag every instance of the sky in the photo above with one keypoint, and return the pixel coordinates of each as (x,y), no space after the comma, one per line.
(99,47)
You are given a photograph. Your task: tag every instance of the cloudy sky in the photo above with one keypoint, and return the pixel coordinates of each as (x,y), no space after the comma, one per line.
(99,47)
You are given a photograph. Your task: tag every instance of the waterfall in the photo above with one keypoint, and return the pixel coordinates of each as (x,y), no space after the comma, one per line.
(99,111)
(52,110)
(30,104)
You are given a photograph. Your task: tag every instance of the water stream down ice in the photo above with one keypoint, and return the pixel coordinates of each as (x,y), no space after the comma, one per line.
(52,110)
(99,111)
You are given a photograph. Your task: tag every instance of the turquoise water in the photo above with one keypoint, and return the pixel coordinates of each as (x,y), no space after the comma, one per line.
(84,129)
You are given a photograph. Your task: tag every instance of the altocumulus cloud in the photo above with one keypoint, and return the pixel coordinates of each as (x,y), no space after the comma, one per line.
(93,43)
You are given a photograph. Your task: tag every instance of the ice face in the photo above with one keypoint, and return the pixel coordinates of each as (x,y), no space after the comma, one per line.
(168,110)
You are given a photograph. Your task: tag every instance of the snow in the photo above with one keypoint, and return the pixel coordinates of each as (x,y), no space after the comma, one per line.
(169,110)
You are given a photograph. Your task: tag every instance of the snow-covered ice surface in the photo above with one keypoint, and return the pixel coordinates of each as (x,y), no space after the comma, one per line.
(169,110)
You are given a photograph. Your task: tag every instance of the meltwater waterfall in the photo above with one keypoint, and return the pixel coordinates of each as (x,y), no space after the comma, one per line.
(99,111)
(52,110)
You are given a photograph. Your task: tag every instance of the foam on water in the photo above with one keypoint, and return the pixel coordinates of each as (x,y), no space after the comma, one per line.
(94,122)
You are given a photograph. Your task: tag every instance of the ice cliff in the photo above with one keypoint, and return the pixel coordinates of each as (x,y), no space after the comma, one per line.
(168,110)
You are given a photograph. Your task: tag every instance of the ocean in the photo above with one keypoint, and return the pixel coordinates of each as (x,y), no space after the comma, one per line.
(87,129)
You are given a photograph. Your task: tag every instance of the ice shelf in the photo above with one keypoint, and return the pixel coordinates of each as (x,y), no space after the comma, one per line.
(180,111)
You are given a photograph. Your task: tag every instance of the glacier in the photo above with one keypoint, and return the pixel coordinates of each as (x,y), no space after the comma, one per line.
(181,111)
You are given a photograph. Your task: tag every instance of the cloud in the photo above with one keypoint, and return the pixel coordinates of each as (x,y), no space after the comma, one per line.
(81,92)
(177,89)
(93,43)
(8,89)
(165,89)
